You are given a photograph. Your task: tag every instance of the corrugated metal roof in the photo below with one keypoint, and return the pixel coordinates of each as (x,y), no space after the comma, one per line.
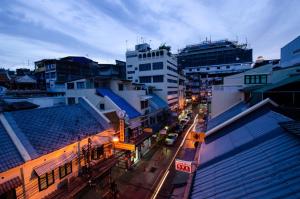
(233,111)
(254,158)
(119,101)
(9,155)
(45,130)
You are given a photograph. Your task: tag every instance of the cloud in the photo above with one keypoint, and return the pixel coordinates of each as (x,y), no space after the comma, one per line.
(44,29)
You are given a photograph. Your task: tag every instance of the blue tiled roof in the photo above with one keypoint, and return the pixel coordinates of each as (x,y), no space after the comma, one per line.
(157,103)
(44,130)
(9,155)
(233,111)
(120,102)
(255,158)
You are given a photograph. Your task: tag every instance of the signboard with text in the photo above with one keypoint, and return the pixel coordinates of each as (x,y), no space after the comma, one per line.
(122,130)
(184,166)
(125,146)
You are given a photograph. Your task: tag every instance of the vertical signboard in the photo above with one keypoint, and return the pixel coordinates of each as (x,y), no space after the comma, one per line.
(122,130)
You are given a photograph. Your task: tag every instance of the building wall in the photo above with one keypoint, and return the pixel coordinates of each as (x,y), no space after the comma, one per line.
(223,98)
(290,53)
(31,178)
(169,72)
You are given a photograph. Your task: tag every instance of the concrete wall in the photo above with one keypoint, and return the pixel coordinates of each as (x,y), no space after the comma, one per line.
(224,98)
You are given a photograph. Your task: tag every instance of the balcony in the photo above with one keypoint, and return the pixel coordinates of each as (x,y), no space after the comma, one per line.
(75,185)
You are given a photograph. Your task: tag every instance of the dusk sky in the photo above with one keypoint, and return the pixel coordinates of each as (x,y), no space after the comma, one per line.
(34,30)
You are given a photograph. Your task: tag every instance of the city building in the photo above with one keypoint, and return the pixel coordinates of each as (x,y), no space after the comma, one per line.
(142,110)
(53,152)
(290,53)
(158,70)
(54,73)
(117,70)
(209,62)
(240,160)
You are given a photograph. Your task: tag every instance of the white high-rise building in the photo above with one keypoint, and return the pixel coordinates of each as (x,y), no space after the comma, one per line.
(157,69)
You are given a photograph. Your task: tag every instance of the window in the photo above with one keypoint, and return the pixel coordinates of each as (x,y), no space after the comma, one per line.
(144,55)
(80,85)
(161,53)
(144,104)
(71,100)
(172,81)
(70,85)
(140,56)
(129,66)
(158,78)
(52,75)
(121,87)
(144,67)
(157,65)
(227,67)
(207,68)
(152,120)
(102,107)
(130,72)
(173,76)
(46,180)
(174,70)
(135,68)
(148,54)
(145,79)
(97,153)
(218,67)
(47,75)
(172,64)
(153,54)
(129,77)
(255,79)
(65,170)
(172,92)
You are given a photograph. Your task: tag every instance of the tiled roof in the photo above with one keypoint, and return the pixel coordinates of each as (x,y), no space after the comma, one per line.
(120,102)
(157,103)
(254,158)
(45,130)
(233,111)
(9,155)
(292,127)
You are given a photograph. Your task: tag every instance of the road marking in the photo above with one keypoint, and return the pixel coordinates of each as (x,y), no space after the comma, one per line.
(168,169)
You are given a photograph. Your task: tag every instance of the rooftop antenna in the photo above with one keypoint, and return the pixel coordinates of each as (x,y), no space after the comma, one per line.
(210,38)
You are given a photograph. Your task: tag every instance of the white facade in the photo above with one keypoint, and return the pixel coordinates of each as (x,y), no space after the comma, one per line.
(155,68)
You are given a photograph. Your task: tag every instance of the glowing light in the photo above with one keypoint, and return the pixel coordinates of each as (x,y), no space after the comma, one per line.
(115,139)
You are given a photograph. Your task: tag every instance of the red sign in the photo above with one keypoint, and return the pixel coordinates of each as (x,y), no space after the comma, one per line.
(185,166)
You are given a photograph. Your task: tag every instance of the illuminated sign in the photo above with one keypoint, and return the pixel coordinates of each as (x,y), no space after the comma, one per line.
(184,166)
(148,130)
(122,130)
(125,146)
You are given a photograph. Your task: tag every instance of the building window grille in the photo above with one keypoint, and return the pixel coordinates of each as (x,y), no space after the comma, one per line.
(145,79)
(121,87)
(157,65)
(65,170)
(144,67)
(102,106)
(46,180)
(144,104)
(158,78)
(255,79)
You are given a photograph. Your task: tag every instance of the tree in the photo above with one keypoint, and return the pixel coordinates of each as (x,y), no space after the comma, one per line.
(164,46)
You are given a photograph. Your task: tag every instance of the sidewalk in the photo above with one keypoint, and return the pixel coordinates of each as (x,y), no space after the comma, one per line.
(141,180)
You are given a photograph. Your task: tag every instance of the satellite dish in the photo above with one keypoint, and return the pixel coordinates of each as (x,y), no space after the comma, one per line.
(121,114)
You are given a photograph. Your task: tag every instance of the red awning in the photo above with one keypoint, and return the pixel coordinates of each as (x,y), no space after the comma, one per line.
(10,184)
(55,163)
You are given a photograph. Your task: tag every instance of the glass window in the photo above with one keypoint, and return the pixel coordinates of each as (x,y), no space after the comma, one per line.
(257,79)
(121,87)
(247,79)
(145,79)
(130,72)
(102,107)
(153,54)
(47,75)
(263,79)
(252,79)
(71,100)
(140,56)
(158,78)
(145,67)
(52,75)
(80,85)
(144,55)
(148,54)
(129,66)
(161,53)
(70,85)
(46,180)
(157,65)
(65,170)
(144,104)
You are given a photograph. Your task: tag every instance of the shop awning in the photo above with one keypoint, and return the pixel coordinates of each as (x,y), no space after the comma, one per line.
(53,164)
(10,184)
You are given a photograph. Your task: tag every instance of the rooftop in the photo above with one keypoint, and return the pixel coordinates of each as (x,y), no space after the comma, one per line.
(252,158)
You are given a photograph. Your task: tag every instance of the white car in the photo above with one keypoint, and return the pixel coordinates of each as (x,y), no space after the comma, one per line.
(171,138)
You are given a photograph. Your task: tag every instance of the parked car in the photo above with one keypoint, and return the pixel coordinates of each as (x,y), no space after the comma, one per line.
(184,123)
(171,138)
(178,129)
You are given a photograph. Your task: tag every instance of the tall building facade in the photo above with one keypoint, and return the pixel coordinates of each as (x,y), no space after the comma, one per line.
(158,70)
(207,63)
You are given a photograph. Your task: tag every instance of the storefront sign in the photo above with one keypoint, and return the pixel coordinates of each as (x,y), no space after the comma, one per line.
(125,146)
(148,130)
(122,130)
(184,166)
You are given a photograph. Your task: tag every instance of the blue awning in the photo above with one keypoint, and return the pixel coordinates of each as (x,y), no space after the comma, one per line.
(157,103)
(119,101)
